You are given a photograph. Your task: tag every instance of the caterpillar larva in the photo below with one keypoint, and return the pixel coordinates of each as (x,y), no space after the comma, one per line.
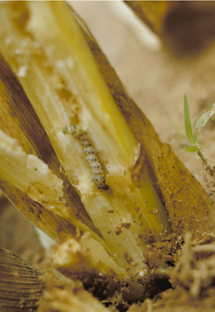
(91,157)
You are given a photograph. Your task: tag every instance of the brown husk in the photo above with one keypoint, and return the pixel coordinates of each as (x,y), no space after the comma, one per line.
(20,286)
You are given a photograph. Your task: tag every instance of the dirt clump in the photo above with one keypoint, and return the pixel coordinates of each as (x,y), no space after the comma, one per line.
(192,279)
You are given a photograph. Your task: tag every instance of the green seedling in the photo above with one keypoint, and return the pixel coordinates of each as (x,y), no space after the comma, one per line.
(194,135)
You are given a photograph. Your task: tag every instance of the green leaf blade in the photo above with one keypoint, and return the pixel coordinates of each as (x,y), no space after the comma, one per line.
(187,122)
(191,148)
(202,122)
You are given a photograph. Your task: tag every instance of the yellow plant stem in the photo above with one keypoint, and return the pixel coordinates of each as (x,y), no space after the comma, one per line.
(33,177)
(45,46)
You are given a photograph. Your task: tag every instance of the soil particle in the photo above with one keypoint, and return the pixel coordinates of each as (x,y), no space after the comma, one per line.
(163,253)
(209,177)
(126,225)
(192,278)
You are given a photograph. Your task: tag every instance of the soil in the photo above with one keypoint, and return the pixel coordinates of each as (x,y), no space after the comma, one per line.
(157,81)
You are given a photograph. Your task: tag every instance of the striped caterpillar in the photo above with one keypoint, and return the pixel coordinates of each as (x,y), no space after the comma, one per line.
(88,149)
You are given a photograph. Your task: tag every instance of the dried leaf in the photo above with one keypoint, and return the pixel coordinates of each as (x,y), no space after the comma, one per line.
(151,12)
(186,27)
